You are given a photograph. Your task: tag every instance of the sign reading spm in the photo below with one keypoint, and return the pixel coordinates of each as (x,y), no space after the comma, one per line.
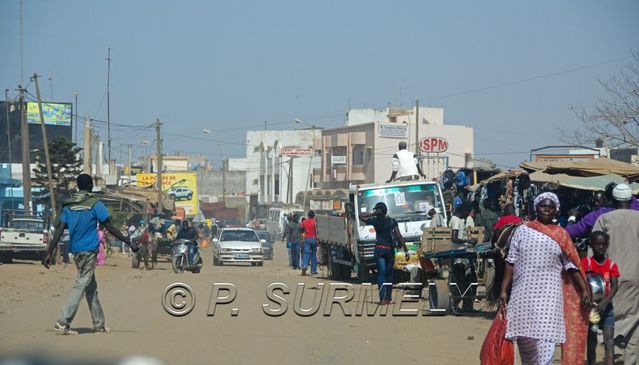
(433,144)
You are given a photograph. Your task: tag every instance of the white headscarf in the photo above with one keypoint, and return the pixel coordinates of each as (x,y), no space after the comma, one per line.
(547,195)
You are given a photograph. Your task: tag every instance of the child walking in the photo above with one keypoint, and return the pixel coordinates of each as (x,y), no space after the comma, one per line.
(600,264)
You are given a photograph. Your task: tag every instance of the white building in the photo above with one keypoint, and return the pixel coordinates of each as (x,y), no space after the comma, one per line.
(278,164)
(362,150)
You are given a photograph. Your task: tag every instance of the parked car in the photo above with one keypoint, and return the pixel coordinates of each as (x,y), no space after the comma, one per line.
(180,193)
(268,245)
(238,245)
(25,237)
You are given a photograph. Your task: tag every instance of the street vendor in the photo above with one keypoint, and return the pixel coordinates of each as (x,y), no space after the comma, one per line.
(405,166)
(459,226)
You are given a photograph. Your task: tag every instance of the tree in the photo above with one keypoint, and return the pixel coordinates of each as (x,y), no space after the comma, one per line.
(66,165)
(615,117)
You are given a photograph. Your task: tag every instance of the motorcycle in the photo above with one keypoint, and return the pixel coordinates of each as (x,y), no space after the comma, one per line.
(181,259)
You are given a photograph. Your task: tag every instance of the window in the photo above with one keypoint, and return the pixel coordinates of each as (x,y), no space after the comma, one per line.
(248,236)
(358,155)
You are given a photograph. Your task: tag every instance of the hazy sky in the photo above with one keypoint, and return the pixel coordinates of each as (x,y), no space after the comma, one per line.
(231,65)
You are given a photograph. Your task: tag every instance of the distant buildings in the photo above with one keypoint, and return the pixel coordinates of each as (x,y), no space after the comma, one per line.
(278,165)
(362,150)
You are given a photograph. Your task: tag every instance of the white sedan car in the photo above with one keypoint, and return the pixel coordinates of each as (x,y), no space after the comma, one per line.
(237,245)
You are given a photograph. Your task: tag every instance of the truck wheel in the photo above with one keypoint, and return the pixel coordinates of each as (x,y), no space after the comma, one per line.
(439,297)
(335,270)
(216,262)
(363,274)
(189,197)
(6,258)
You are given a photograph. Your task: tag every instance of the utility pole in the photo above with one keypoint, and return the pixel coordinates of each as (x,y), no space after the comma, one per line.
(129,164)
(45,141)
(159,164)
(26,159)
(87,145)
(289,186)
(108,59)
(224,164)
(21,45)
(75,135)
(6,104)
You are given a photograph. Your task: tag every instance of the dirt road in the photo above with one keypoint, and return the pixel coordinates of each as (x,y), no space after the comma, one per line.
(31,298)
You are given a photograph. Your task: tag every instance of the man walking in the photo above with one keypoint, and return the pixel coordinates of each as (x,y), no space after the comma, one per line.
(385,228)
(80,214)
(309,227)
(622,224)
(294,233)
(405,166)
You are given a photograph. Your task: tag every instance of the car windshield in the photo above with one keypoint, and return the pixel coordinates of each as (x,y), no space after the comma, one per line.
(264,235)
(27,225)
(249,236)
(401,200)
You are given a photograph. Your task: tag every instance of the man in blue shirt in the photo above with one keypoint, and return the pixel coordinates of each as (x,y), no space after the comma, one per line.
(81,214)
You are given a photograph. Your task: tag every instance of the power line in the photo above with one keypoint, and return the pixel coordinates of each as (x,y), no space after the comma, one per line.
(533,78)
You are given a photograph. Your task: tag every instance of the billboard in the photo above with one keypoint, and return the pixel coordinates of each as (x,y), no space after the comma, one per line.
(12,128)
(181,187)
(54,113)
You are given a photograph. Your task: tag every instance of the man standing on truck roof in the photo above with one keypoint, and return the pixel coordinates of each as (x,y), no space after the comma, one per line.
(405,166)
(385,228)
(81,213)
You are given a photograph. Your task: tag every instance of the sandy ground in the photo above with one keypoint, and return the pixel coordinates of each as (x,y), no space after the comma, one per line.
(31,298)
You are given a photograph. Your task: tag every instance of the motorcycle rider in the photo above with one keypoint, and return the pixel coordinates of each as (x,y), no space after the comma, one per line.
(189,233)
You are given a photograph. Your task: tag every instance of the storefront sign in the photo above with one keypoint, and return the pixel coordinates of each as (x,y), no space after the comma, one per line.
(392,130)
(338,160)
(433,144)
(296,151)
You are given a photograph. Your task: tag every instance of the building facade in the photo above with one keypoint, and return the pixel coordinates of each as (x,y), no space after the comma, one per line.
(278,164)
(361,151)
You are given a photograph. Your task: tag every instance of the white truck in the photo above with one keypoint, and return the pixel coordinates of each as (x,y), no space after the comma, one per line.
(350,243)
(24,237)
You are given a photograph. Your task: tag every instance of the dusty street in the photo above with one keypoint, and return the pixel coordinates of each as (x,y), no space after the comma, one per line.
(31,298)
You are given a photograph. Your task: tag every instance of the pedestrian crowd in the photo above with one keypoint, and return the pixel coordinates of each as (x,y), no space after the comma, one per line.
(557,292)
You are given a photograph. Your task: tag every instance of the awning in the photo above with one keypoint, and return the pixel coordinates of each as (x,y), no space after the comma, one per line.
(594,167)
(542,177)
(503,176)
(596,183)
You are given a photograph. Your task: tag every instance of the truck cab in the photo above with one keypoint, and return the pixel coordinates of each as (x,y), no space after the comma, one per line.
(351,243)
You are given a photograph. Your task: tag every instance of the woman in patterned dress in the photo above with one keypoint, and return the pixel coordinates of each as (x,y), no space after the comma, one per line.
(547,289)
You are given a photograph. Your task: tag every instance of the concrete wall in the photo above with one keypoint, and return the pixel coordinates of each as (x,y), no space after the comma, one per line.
(427,115)
(210,183)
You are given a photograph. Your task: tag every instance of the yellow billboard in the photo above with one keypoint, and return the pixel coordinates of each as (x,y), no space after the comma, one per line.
(181,187)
